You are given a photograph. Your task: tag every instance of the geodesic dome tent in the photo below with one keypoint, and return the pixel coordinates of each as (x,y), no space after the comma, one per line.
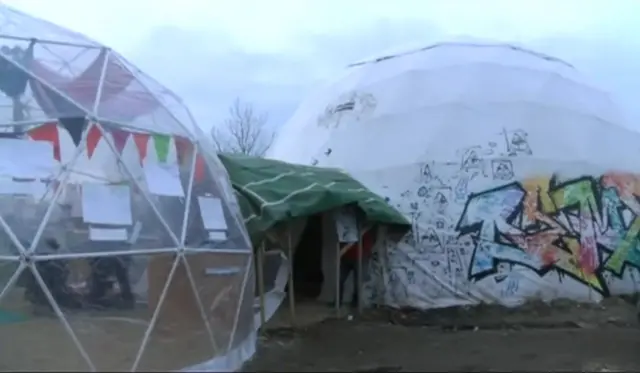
(121,243)
(517,173)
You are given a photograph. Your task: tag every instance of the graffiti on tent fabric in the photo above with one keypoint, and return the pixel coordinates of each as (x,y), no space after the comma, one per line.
(517,142)
(351,105)
(583,227)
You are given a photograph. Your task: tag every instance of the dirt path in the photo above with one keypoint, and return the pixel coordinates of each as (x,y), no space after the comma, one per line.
(604,338)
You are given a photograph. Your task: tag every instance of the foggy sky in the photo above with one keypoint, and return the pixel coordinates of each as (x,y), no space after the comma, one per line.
(273,53)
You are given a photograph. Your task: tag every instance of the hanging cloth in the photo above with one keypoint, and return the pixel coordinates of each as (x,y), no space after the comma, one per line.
(60,96)
(13,79)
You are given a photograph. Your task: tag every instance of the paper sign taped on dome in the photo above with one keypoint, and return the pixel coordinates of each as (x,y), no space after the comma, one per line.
(26,159)
(36,188)
(222,271)
(106,204)
(107,234)
(212,213)
(163,180)
(346,226)
(217,236)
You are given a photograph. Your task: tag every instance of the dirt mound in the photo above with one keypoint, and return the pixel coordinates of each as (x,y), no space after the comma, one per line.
(534,314)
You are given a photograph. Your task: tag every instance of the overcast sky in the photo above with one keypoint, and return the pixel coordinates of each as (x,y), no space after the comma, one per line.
(273,52)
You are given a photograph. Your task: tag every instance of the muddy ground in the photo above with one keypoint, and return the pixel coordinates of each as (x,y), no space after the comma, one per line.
(561,336)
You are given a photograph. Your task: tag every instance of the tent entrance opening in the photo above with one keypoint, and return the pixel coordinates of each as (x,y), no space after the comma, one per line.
(307,261)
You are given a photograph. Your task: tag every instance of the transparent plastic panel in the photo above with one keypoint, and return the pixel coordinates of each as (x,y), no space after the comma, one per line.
(24,214)
(65,78)
(33,335)
(99,231)
(213,221)
(245,318)
(48,72)
(40,81)
(218,280)
(115,313)
(221,181)
(182,325)
(96,216)
(16,24)
(170,101)
(130,102)
(28,184)
(108,306)
(138,219)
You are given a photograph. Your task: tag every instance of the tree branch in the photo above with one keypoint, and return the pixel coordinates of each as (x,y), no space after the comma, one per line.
(244,131)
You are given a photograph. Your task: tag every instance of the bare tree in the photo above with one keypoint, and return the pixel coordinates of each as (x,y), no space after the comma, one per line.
(244,131)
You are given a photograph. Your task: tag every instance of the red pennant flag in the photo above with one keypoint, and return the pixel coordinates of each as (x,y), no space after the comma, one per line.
(183,148)
(119,139)
(141,140)
(200,169)
(48,132)
(93,137)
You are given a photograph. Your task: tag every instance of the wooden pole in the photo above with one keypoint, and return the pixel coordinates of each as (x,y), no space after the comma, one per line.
(338,295)
(349,245)
(260,274)
(292,300)
(358,284)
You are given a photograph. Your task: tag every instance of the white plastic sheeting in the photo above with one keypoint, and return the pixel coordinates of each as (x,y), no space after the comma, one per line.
(518,177)
(274,296)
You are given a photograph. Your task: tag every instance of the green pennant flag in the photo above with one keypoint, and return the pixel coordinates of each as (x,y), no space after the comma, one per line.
(161,143)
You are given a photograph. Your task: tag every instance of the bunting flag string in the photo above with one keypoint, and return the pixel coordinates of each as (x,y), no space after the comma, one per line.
(185,149)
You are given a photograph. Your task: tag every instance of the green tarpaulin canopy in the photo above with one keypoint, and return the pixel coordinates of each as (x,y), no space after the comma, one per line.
(271,192)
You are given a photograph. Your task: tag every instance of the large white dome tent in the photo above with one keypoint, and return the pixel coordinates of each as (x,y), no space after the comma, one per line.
(517,174)
(121,245)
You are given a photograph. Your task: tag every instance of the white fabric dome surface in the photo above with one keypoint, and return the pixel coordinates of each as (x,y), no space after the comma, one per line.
(516,172)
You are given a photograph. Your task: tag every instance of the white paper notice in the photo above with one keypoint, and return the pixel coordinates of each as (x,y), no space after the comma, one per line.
(10,187)
(35,188)
(228,271)
(212,213)
(38,189)
(163,179)
(26,159)
(346,226)
(107,234)
(106,204)
(217,236)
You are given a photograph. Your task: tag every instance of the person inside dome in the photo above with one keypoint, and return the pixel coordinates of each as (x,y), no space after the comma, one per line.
(54,274)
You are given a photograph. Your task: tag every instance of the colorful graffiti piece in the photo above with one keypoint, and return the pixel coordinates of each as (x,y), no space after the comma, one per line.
(580,227)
